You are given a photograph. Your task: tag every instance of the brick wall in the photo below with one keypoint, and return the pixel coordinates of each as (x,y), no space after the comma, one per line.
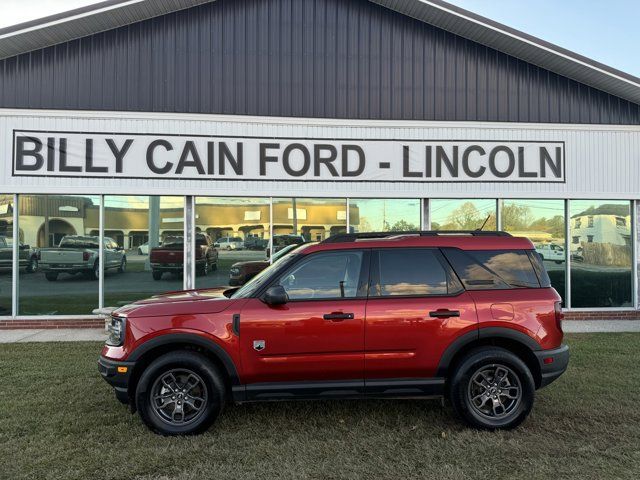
(604,315)
(50,324)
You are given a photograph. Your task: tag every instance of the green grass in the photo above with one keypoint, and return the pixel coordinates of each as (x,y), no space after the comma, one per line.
(60,420)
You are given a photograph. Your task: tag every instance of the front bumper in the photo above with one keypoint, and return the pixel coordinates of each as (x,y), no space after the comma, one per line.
(118,380)
(553,363)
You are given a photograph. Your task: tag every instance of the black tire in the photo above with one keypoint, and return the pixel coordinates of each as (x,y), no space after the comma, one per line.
(517,381)
(204,269)
(209,389)
(51,276)
(214,266)
(33,265)
(123,265)
(156,274)
(94,273)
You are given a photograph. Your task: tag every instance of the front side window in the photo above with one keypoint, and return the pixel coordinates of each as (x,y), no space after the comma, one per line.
(403,272)
(324,275)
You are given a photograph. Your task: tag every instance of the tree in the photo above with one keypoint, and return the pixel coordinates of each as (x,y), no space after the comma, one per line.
(516,217)
(400,226)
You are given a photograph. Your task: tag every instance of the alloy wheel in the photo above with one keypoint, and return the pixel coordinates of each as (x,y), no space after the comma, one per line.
(494,391)
(179,397)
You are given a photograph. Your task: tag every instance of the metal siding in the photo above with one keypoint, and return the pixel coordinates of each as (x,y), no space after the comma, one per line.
(302,58)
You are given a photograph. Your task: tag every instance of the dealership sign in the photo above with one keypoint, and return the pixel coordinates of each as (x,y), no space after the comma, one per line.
(152,156)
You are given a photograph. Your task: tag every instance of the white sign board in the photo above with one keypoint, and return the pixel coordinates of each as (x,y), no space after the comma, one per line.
(200,157)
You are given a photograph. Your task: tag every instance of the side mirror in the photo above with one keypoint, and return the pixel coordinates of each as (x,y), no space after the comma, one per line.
(276,295)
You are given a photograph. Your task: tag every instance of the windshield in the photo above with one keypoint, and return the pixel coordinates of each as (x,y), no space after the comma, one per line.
(284,251)
(256,282)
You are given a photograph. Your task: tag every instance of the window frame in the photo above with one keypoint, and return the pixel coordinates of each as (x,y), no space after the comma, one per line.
(363,281)
(438,255)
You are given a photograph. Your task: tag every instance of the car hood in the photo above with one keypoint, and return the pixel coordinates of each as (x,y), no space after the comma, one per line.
(182,302)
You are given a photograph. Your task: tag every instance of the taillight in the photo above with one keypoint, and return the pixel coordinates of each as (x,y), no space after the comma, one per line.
(559,315)
(85,256)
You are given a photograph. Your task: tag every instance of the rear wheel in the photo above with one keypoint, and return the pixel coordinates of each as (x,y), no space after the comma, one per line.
(180,393)
(157,275)
(51,276)
(492,389)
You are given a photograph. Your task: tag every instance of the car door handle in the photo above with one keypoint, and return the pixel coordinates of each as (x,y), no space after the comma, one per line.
(444,313)
(338,316)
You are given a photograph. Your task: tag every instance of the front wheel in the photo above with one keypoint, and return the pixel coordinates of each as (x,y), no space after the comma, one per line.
(33,265)
(180,393)
(123,265)
(492,389)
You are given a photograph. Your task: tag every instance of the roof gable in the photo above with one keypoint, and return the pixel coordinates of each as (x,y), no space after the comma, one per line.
(308,58)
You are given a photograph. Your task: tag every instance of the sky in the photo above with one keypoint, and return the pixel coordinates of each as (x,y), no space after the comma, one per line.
(604,30)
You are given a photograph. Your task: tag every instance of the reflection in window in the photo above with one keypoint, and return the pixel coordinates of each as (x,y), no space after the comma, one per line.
(324,275)
(601,253)
(463,214)
(234,236)
(311,219)
(6,253)
(372,215)
(542,222)
(60,232)
(139,257)
(411,272)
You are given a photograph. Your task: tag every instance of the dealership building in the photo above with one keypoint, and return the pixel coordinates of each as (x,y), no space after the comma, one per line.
(244,125)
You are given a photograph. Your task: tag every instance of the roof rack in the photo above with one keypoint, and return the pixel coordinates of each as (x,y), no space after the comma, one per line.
(352,237)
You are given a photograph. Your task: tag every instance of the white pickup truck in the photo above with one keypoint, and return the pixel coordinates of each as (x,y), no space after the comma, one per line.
(551,252)
(79,254)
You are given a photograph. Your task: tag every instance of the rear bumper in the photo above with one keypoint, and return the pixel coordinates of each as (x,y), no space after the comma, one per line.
(118,380)
(553,363)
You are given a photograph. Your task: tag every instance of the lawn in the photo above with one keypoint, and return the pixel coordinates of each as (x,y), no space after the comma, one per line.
(60,420)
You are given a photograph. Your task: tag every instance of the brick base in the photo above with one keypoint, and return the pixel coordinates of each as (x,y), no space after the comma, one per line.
(52,324)
(603,315)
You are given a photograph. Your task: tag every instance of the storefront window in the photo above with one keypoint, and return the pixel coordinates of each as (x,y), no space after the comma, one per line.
(59,234)
(230,232)
(6,253)
(601,253)
(312,220)
(373,215)
(462,214)
(143,247)
(542,222)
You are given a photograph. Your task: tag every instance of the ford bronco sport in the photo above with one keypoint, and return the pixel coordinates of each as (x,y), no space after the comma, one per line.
(470,316)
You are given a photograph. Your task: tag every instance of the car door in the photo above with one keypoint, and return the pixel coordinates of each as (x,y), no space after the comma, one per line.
(317,336)
(416,308)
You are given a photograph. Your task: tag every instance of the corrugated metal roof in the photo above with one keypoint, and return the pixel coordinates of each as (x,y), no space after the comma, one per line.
(111,14)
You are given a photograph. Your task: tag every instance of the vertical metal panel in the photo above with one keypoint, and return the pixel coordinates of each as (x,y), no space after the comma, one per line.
(304,58)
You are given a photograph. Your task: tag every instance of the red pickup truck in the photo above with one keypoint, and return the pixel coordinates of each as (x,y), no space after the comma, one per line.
(169,257)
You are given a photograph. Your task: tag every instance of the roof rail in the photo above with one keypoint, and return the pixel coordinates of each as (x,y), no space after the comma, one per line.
(352,237)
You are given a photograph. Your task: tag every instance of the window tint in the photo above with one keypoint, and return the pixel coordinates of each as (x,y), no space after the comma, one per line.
(324,275)
(493,269)
(412,272)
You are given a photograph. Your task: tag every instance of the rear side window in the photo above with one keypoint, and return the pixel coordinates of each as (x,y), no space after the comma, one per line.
(402,272)
(493,269)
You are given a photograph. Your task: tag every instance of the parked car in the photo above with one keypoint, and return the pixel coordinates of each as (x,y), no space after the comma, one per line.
(552,252)
(229,243)
(79,254)
(169,257)
(143,249)
(27,256)
(470,316)
(281,241)
(255,243)
(241,272)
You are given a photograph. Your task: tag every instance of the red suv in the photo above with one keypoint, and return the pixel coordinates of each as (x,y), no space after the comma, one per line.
(466,315)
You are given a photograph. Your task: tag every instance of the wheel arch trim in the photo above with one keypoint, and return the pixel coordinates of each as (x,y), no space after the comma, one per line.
(483,334)
(189,339)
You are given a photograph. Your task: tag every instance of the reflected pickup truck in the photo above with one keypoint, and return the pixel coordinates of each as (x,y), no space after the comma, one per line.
(169,257)
(27,256)
(79,254)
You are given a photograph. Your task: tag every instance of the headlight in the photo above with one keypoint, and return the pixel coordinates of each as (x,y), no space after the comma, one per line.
(116,332)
